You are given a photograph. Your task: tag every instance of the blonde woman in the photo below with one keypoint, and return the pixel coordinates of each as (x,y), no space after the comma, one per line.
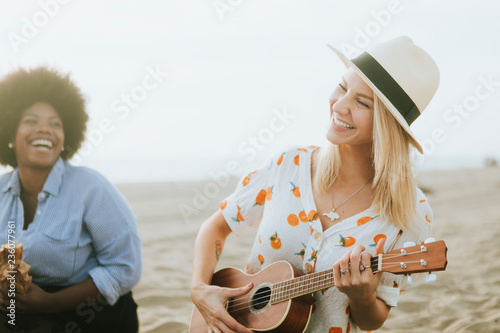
(338,205)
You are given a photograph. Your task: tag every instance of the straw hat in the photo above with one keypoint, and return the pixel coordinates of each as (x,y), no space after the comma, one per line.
(402,75)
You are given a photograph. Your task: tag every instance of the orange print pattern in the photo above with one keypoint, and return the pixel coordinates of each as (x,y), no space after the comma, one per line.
(346,241)
(313,215)
(365,219)
(280,159)
(261,198)
(314,254)
(238,218)
(377,239)
(295,190)
(302,252)
(269,193)
(293,220)
(275,241)
(296,160)
(245,181)
(303,216)
(223,205)
(261,259)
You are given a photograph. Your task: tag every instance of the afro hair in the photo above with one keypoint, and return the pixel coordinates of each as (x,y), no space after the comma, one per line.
(22,88)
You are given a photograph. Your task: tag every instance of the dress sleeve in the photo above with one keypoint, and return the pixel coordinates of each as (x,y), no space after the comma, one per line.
(243,209)
(115,238)
(391,285)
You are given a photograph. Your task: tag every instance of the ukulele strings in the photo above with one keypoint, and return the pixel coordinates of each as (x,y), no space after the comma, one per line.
(321,277)
(298,284)
(321,274)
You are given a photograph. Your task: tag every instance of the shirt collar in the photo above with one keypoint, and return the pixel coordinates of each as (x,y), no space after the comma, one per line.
(52,184)
(13,184)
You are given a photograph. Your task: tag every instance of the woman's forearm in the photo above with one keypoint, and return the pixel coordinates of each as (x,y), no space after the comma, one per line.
(208,248)
(71,297)
(369,314)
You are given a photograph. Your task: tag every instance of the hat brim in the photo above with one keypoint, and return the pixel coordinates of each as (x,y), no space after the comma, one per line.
(348,63)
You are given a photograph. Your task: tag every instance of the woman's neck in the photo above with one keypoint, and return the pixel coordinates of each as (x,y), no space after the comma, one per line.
(32,180)
(356,164)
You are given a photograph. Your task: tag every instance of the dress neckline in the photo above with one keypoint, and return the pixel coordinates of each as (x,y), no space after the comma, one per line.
(308,198)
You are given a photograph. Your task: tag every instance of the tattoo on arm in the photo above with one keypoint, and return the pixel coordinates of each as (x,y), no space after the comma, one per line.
(218,249)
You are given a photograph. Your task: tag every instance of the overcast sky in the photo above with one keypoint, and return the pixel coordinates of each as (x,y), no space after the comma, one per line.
(172,84)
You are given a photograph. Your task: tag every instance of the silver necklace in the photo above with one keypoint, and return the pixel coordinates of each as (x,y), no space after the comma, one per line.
(333,215)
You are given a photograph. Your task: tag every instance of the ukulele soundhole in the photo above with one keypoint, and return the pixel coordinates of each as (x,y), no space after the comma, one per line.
(260,299)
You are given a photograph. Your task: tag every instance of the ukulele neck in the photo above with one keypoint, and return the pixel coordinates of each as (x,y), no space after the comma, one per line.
(310,283)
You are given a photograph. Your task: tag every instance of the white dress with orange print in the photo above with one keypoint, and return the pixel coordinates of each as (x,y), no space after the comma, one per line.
(278,200)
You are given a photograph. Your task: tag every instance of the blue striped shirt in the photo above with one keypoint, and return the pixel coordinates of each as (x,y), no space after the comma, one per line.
(83,227)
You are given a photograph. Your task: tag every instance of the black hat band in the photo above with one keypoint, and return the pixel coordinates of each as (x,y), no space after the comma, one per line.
(388,86)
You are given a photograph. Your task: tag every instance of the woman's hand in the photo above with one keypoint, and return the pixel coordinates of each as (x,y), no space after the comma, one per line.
(211,300)
(358,283)
(34,300)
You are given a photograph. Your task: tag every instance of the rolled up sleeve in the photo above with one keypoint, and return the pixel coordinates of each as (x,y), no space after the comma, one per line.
(116,242)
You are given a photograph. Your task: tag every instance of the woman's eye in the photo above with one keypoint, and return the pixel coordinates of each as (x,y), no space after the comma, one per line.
(342,87)
(363,104)
(56,124)
(30,121)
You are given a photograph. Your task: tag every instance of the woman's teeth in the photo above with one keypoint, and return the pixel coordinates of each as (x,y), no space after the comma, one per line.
(342,124)
(40,143)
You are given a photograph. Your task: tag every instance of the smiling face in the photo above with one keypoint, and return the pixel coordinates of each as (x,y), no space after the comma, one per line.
(39,137)
(351,111)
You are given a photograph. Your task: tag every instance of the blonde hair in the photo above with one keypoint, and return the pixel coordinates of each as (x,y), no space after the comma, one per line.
(395,191)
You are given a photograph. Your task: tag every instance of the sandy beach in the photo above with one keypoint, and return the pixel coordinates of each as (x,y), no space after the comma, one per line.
(465,298)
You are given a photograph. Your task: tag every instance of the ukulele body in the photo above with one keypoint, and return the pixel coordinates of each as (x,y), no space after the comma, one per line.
(254,310)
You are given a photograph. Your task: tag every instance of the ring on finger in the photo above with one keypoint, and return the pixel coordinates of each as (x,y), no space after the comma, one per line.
(363,267)
(343,271)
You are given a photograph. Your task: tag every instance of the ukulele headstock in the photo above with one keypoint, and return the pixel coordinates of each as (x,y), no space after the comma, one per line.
(428,257)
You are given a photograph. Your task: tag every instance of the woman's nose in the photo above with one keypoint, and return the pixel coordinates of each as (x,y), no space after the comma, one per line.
(341,106)
(43,127)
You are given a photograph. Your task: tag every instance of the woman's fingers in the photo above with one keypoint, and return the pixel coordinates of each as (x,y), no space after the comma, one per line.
(380,247)
(211,301)
(354,259)
(227,322)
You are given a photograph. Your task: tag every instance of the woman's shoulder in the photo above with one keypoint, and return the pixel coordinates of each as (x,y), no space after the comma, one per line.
(423,205)
(292,153)
(5,178)
(85,176)
(422,226)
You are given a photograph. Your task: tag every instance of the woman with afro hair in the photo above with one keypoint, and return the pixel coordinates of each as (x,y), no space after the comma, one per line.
(79,235)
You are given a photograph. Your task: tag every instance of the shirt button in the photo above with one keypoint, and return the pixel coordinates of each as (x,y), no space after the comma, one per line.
(318,236)
(38,212)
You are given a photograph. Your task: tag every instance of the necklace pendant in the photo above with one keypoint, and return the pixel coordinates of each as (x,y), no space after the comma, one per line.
(332,215)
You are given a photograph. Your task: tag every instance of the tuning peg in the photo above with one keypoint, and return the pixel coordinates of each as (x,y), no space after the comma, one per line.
(409,244)
(409,280)
(431,278)
(429,240)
